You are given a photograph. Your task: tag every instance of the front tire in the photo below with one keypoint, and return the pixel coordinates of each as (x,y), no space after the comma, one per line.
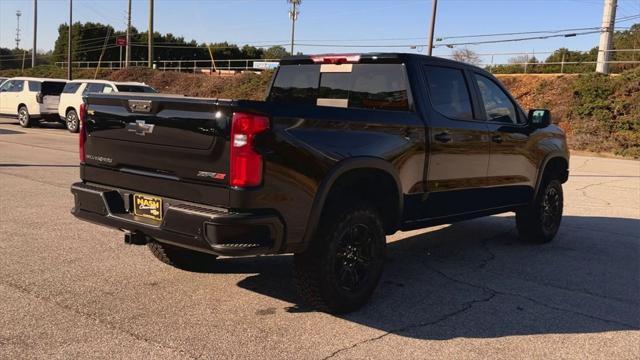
(539,222)
(71,121)
(342,268)
(24,118)
(180,258)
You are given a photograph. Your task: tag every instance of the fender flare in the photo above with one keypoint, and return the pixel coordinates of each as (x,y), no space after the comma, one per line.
(543,166)
(333,175)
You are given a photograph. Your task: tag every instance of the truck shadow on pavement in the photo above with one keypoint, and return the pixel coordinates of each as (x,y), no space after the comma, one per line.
(476,279)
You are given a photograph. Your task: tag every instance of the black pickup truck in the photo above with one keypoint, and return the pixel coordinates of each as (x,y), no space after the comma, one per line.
(344,150)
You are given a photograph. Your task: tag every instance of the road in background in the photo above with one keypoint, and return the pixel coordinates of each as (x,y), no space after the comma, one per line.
(470,290)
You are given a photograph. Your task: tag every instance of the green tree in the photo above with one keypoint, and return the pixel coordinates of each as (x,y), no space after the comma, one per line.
(275,52)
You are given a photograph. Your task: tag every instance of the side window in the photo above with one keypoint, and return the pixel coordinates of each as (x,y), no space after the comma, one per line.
(107,89)
(497,105)
(71,88)
(6,85)
(449,92)
(35,86)
(93,88)
(16,86)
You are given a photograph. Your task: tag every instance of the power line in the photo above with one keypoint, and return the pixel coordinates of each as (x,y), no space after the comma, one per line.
(517,33)
(454,44)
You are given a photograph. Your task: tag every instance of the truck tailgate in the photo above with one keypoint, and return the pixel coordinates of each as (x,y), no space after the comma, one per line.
(169,138)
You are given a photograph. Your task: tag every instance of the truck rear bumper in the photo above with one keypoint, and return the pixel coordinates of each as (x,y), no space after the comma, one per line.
(188,225)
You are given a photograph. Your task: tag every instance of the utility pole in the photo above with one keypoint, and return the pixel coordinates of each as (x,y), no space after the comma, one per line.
(18,14)
(127,55)
(150,36)
(606,36)
(293,15)
(434,8)
(35,32)
(69,72)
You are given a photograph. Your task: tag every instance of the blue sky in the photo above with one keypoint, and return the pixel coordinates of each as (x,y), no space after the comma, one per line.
(266,22)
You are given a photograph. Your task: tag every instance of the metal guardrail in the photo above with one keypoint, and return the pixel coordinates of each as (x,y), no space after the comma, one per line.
(194,66)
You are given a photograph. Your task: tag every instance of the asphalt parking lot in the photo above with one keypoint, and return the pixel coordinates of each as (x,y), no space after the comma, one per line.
(69,289)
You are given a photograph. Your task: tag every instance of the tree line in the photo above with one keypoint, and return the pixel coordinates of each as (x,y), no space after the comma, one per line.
(88,41)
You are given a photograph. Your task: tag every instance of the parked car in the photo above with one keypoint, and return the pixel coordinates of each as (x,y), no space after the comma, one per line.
(71,97)
(345,150)
(31,99)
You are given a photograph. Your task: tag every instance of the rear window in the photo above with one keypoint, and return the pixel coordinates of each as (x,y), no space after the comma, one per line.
(365,86)
(71,88)
(136,88)
(52,87)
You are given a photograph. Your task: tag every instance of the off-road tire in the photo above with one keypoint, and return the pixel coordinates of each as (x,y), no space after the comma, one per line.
(539,221)
(320,270)
(180,258)
(24,118)
(72,122)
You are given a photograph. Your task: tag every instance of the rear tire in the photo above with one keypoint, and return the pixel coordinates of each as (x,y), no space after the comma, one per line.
(71,121)
(180,258)
(342,268)
(539,222)
(24,118)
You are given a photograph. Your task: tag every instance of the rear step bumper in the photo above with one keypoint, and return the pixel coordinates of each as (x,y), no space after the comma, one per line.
(193,226)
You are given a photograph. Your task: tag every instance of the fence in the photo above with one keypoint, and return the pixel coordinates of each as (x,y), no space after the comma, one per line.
(551,67)
(206,66)
(194,66)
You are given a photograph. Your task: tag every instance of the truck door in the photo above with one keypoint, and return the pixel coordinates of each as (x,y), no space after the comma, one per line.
(458,143)
(512,169)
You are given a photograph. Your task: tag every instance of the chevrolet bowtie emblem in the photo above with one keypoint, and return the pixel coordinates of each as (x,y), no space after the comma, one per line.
(140,128)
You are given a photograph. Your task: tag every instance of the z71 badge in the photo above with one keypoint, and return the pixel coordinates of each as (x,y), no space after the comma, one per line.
(212,175)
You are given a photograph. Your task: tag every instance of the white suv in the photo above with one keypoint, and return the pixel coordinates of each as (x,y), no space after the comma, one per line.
(74,90)
(31,98)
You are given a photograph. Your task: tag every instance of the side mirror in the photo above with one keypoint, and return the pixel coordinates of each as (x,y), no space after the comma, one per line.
(539,118)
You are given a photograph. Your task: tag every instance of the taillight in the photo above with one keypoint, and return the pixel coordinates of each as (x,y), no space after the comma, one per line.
(82,135)
(39,98)
(245,165)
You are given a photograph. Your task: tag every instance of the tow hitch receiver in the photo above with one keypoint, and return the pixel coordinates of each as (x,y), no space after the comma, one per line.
(134,238)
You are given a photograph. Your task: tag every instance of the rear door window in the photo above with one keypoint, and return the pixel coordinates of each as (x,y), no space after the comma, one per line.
(93,88)
(71,88)
(364,86)
(449,92)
